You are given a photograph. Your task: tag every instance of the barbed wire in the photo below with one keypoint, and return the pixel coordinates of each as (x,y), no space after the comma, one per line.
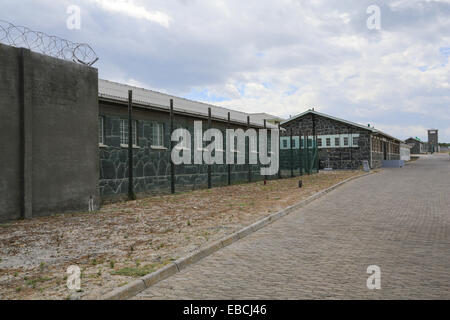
(41,42)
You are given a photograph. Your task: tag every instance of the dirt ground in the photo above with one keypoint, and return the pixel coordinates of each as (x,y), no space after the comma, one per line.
(127,240)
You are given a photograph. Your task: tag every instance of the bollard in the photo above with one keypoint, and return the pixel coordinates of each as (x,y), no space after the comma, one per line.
(300,183)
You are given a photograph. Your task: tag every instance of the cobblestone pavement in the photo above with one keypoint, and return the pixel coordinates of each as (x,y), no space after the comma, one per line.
(398,219)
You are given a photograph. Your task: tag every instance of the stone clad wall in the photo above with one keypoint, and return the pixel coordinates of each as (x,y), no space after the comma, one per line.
(337,158)
(152,166)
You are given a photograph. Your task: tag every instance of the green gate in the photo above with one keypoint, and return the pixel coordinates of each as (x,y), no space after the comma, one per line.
(299,157)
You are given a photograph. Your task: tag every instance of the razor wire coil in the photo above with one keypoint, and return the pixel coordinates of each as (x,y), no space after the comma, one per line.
(23,37)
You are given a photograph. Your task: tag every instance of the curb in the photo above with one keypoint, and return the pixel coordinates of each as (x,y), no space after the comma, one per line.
(133,288)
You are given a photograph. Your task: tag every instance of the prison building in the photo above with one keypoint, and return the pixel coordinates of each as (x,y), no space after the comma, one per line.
(341,144)
(417,145)
(152,143)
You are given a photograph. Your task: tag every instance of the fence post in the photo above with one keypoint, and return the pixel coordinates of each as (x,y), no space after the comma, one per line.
(248,149)
(172,165)
(279,152)
(265,127)
(209,165)
(350,145)
(228,165)
(306,153)
(131,195)
(300,159)
(292,153)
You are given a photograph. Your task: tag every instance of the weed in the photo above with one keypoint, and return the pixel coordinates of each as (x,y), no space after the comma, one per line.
(34,282)
(135,272)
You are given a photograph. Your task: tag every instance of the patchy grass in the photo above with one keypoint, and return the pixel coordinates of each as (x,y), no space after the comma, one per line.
(138,270)
(135,272)
(34,282)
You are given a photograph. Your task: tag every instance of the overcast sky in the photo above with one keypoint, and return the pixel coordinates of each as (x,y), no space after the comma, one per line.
(281,57)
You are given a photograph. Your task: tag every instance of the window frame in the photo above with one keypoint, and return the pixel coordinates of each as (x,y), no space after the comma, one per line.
(345,142)
(159,141)
(124,132)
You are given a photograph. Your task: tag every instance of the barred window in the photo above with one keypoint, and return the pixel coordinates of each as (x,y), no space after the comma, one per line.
(328,142)
(319,142)
(124,132)
(285,144)
(355,141)
(337,142)
(345,141)
(158,134)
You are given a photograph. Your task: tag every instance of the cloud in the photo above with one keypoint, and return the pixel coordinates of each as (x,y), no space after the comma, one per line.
(281,57)
(130,8)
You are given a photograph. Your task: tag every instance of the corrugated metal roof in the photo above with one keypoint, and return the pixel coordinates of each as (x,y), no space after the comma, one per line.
(119,91)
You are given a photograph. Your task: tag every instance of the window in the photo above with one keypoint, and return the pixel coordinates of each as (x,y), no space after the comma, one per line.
(124,132)
(101,130)
(285,143)
(309,143)
(328,142)
(355,141)
(337,142)
(345,141)
(293,143)
(158,134)
(319,142)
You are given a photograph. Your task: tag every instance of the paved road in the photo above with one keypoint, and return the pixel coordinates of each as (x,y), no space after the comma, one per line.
(398,219)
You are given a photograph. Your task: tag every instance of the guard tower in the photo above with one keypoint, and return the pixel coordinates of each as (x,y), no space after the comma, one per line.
(433,142)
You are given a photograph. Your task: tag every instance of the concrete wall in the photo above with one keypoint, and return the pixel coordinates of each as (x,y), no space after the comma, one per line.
(49,142)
